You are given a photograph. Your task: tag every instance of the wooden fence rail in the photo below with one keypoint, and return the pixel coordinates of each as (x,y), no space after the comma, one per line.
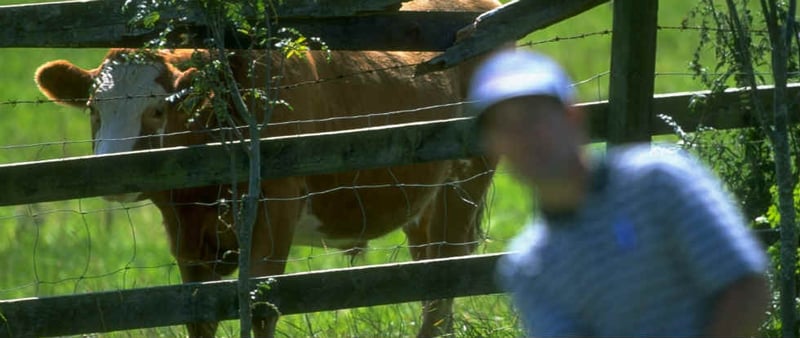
(214,301)
(351,25)
(507,24)
(194,166)
(347,25)
(693,109)
(76,24)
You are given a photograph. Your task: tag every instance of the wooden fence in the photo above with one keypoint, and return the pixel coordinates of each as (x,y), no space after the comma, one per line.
(186,167)
(336,289)
(303,155)
(213,301)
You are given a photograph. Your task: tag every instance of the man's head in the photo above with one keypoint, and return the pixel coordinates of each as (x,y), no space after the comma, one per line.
(523,101)
(514,73)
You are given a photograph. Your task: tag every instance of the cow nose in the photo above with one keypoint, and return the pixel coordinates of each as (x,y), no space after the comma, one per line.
(117,134)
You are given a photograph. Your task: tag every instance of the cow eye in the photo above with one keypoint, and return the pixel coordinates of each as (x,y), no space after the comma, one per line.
(158,113)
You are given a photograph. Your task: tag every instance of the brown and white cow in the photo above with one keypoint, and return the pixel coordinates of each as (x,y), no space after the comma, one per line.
(132,107)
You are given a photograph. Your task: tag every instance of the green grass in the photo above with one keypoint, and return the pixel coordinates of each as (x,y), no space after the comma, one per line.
(79,246)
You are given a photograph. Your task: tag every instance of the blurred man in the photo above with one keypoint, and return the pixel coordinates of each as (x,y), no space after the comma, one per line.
(637,242)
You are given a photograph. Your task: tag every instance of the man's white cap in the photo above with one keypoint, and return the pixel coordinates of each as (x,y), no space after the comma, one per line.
(515,73)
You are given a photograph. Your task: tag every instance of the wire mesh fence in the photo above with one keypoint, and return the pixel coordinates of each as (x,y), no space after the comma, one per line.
(89,245)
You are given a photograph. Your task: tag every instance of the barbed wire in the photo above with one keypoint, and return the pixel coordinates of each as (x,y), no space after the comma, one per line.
(684,27)
(410,66)
(367,116)
(86,274)
(337,77)
(565,38)
(609,31)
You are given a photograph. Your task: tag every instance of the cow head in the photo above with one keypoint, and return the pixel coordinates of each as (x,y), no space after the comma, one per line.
(131,98)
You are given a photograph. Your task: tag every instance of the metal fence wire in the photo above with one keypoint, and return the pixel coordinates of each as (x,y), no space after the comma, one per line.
(90,245)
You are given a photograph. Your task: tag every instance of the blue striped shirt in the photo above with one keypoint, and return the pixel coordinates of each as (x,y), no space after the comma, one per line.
(645,255)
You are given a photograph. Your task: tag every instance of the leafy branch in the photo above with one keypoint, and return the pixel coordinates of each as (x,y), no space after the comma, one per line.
(757,163)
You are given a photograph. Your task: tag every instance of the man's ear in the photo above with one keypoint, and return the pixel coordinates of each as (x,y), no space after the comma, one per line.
(65,83)
(575,114)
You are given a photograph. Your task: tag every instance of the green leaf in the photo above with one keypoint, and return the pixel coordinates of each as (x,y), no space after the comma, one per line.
(151,19)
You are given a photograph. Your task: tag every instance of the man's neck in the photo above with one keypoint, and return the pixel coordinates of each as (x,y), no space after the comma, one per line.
(566,194)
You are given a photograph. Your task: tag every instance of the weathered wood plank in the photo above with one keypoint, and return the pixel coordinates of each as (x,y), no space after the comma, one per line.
(214,301)
(76,24)
(507,24)
(633,64)
(314,154)
(721,111)
(399,31)
(209,165)
(331,8)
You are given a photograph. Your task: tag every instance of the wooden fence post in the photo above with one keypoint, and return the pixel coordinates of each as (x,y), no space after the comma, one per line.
(633,59)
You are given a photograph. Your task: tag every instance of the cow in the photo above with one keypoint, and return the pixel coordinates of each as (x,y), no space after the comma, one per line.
(136,100)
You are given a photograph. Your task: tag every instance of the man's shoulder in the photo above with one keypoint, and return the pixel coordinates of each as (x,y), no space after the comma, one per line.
(644,161)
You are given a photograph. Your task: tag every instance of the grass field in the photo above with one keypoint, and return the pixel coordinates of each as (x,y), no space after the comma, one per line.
(90,245)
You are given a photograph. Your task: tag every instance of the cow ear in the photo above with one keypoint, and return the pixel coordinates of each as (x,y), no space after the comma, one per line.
(184,80)
(182,85)
(65,83)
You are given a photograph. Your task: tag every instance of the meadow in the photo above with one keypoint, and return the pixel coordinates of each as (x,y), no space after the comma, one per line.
(88,245)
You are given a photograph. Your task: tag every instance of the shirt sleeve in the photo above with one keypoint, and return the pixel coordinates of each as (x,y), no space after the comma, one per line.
(709,235)
(540,314)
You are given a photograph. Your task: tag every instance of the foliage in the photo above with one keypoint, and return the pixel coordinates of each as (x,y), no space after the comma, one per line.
(743,40)
(773,216)
(259,296)
(743,158)
(736,156)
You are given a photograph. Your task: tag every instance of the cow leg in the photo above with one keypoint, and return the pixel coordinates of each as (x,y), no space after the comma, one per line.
(437,316)
(197,273)
(197,253)
(272,239)
(449,227)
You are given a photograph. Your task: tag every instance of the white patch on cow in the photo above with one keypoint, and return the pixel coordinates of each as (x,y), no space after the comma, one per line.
(123,91)
(307,233)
